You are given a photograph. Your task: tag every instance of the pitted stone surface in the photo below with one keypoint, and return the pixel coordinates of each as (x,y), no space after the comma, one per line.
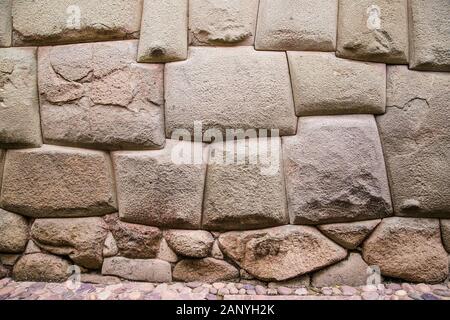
(207,270)
(416,141)
(280,253)
(41,267)
(164,35)
(152,270)
(373,30)
(429,41)
(64,21)
(297,25)
(5,23)
(350,86)
(445,233)
(13,232)
(222,22)
(170,188)
(52,181)
(246,190)
(94,95)
(190,243)
(19,103)
(335,171)
(2,160)
(229,88)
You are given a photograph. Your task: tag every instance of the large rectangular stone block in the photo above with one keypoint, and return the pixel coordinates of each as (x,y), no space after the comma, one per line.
(96,95)
(229,88)
(19,102)
(5,23)
(323,84)
(66,21)
(415,133)
(373,30)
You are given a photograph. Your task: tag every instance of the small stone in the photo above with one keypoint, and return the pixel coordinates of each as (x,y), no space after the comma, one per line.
(190,243)
(301,292)
(336,291)
(272,292)
(260,290)
(369,288)
(218,285)
(213,290)
(284,290)
(415,295)
(223,291)
(407,287)
(251,292)
(242,291)
(401,293)
(370,295)
(234,291)
(394,286)
(110,247)
(135,295)
(200,290)
(193,284)
(442,293)
(211,297)
(215,251)
(429,296)
(327,291)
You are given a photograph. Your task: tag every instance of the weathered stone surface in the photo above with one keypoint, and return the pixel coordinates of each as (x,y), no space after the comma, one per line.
(170,189)
(429,40)
(53,181)
(416,141)
(246,190)
(350,86)
(5,23)
(297,25)
(110,246)
(190,243)
(222,22)
(350,272)
(64,21)
(41,267)
(409,249)
(2,159)
(150,270)
(134,240)
(280,253)
(164,35)
(81,239)
(99,279)
(32,248)
(9,259)
(13,232)
(4,272)
(294,283)
(93,95)
(349,235)
(166,253)
(445,233)
(373,30)
(19,104)
(229,88)
(205,270)
(215,251)
(335,171)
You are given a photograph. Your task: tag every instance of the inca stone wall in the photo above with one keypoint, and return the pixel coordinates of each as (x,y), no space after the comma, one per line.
(341,108)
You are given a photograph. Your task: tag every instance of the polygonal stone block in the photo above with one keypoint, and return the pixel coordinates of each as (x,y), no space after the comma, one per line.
(5,23)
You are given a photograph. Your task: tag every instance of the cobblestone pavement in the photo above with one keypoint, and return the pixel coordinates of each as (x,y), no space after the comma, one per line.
(11,290)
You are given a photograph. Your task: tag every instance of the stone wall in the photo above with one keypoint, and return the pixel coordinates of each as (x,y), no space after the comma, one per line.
(94,96)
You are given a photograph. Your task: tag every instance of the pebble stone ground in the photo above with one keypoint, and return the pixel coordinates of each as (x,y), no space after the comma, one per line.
(11,290)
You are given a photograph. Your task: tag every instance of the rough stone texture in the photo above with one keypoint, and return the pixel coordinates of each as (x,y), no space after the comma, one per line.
(247,190)
(229,88)
(151,270)
(445,233)
(9,259)
(5,23)
(134,240)
(41,267)
(19,104)
(222,22)
(190,243)
(280,253)
(350,272)
(170,189)
(297,25)
(207,270)
(2,159)
(164,35)
(93,95)
(13,232)
(350,86)
(64,21)
(408,248)
(429,27)
(81,239)
(166,253)
(349,235)
(4,272)
(335,171)
(110,246)
(416,141)
(32,248)
(215,251)
(51,181)
(373,30)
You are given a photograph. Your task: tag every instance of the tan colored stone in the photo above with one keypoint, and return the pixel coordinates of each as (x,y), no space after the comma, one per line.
(51,181)
(164,35)
(445,233)
(349,235)
(335,172)
(302,281)
(93,95)
(150,270)
(5,23)
(4,272)
(99,279)
(428,35)
(170,189)
(297,25)
(166,253)
(41,267)
(13,232)
(190,243)
(222,22)
(81,239)
(205,270)
(9,259)
(280,253)
(64,21)
(215,251)
(350,86)
(409,249)
(2,159)
(416,141)
(19,104)
(32,248)
(110,246)
(373,30)
(229,88)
